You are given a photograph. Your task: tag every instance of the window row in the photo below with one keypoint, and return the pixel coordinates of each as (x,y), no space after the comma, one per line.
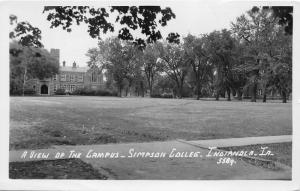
(69,77)
(67,87)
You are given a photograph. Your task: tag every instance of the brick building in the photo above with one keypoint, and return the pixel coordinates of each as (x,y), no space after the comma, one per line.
(69,78)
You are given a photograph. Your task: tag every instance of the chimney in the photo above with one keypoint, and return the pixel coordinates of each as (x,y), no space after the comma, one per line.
(55,54)
(64,63)
(74,64)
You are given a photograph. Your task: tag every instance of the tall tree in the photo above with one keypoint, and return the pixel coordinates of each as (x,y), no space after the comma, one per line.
(134,59)
(175,64)
(151,66)
(27,58)
(261,34)
(121,60)
(222,54)
(199,59)
(279,73)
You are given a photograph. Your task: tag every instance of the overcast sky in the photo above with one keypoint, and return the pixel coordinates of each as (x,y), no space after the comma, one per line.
(195,17)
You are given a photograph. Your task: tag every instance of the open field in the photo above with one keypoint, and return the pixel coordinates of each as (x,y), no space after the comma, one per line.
(39,122)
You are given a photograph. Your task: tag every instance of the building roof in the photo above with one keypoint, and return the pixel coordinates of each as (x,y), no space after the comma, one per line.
(73,69)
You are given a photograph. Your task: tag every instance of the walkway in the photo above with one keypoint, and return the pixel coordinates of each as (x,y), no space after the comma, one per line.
(242,141)
(126,166)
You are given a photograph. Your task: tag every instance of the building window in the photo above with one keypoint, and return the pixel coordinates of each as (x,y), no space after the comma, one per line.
(80,78)
(72,77)
(72,88)
(68,78)
(63,77)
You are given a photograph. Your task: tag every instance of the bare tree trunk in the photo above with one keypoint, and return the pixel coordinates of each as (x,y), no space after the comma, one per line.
(142,89)
(217,95)
(180,91)
(228,94)
(239,94)
(198,90)
(120,91)
(265,97)
(265,94)
(284,96)
(24,80)
(150,89)
(253,92)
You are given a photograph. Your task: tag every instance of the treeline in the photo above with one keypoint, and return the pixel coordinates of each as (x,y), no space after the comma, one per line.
(27,57)
(25,63)
(253,57)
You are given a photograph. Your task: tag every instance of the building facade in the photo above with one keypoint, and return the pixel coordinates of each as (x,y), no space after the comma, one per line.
(69,79)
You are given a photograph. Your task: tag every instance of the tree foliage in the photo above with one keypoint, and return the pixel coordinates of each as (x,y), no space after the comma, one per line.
(175,64)
(25,33)
(151,66)
(29,63)
(255,54)
(145,18)
(198,55)
(222,48)
(120,59)
(262,36)
(284,15)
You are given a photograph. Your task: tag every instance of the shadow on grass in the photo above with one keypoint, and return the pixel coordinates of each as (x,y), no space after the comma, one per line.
(54,169)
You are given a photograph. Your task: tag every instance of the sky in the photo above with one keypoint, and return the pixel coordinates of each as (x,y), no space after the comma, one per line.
(194,17)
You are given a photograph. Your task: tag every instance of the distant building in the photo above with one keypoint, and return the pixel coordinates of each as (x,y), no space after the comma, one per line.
(69,78)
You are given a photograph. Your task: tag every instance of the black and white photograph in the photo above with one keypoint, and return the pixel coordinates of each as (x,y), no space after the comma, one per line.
(196,90)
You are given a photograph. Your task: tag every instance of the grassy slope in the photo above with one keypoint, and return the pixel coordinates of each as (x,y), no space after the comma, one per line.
(39,122)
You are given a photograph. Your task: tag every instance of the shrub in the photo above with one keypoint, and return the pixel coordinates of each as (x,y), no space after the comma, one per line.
(16,92)
(187,92)
(163,95)
(29,92)
(91,92)
(155,95)
(105,92)
(77,91)
(114,93)
(60,91)
(166,95)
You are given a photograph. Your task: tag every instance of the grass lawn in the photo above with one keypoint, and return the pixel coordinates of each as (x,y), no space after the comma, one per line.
(53,169)
(39,122)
